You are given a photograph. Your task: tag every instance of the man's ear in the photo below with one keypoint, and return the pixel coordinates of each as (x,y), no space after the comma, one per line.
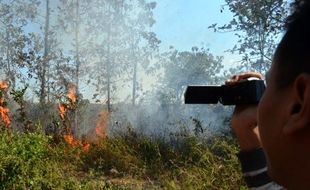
(299,105)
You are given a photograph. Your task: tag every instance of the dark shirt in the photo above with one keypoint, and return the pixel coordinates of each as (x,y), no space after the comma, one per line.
(254,168)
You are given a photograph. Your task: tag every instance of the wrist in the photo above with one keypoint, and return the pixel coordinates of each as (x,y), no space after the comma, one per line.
(248,139)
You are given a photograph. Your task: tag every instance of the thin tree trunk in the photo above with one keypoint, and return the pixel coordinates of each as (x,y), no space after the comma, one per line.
(109,73)
(109,64)
(45,56)
(134,83)
(134,78)
(9,73)
(77,62)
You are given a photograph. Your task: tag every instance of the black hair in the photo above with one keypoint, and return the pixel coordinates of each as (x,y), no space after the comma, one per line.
(292,56)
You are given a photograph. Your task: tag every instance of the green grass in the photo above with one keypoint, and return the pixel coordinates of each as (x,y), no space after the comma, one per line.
(125,161)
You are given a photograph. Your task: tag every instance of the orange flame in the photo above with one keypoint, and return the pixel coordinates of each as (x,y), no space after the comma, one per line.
(102,124)
(72,94)
(1,100)
(70,139)
(63,108)
(74,142)
(4,111)
(3,85)
(86,147)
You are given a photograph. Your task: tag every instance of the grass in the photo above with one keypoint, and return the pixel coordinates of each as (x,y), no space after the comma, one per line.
(125,161)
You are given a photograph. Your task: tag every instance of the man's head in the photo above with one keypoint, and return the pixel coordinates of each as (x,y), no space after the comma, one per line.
(293,53)
(284,111)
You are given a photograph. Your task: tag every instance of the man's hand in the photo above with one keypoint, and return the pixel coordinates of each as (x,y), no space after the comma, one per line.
(244,119)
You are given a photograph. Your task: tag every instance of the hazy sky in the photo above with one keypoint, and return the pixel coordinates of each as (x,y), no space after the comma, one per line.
(184,24)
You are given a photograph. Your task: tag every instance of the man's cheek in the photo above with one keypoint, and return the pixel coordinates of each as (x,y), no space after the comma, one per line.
(264,112)
(262,109)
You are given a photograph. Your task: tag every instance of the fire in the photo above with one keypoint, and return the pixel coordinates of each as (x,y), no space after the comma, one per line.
(86,147)
(72,94)
(102,123)
(63,109)
(4,111)
(75,142)
(3,85)
(70,139)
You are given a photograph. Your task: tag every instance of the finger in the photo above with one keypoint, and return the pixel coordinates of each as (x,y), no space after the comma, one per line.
(236,78)
(232,80)
(250,74)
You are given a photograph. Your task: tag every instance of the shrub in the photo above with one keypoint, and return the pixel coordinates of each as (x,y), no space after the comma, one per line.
(185,163)
(126,161)
(26,162)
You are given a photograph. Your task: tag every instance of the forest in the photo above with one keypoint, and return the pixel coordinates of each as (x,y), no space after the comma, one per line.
(90,100)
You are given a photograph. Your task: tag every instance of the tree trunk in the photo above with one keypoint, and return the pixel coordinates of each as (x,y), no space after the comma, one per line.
(109,73)
(109,65)
(134,82)
(45,57)
(134,77)
(77,62)
(135,67)
(9,72)
(77,44)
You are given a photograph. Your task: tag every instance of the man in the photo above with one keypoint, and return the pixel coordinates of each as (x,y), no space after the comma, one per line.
(282,116)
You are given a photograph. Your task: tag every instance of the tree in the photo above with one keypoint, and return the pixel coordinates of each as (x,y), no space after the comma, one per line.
(180,69)
(143,43)
(71,19)
(195,67)
(14,16)
(106,44)
(257,24)
(45,62)
(118,41)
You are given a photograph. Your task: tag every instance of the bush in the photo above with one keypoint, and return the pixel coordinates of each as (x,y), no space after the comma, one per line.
(189,164)
(126,161)
(27,162)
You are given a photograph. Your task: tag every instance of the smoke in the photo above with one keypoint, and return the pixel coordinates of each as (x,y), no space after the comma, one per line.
(109,51)
(156,118)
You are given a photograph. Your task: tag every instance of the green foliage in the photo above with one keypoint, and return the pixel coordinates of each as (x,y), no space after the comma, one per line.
(257,25)
(183,163)
(18,97)
(24,162)
(182,68)
(129,160)
(15,15)
(112,154)
(31,161)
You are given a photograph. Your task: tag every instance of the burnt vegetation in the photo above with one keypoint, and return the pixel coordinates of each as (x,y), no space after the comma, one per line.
(77,110)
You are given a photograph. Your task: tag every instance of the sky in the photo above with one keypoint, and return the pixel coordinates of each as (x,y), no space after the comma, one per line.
(184,24)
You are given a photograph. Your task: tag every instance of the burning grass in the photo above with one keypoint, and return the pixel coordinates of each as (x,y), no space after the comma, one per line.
(67,131)
(125,161)
(4,111)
